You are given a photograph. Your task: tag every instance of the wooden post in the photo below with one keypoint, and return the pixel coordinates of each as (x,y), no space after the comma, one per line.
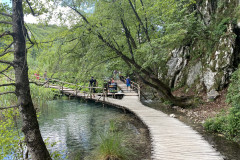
(62,87)
(91,92)
(104,94)
(48,81)
(76,91)
(139,93)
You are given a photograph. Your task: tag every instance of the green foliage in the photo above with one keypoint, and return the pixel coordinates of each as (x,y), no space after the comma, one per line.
(233,96)
(216,124)
(7,99)
(112,145)
(41,94)
(228,123)
(10,140)
(55,155)
(78,53)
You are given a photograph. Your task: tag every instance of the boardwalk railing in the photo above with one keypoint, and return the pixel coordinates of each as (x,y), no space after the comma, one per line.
(88,92)
(134,86)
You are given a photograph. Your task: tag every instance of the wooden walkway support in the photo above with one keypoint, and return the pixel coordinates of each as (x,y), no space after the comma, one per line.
(170,138)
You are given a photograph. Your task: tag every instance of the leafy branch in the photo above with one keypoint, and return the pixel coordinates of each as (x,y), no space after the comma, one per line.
(15,106)
(6,14)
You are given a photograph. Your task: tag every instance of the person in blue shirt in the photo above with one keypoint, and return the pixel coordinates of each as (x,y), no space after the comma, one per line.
(128,83)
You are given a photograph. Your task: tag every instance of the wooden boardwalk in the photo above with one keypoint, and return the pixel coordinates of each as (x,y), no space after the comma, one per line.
(170,138)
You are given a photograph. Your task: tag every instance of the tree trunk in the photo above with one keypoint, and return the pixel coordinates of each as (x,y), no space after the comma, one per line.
(182,102)
(164,91)
(30,127)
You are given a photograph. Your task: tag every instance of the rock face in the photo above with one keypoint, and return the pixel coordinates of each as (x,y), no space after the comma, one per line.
(176,64)
(193,73)
(211,70)
(207,9)
(209,78)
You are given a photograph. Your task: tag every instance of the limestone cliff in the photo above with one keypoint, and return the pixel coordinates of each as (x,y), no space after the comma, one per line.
(208,62)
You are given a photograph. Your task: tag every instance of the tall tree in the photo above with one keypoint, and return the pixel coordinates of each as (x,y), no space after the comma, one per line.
(30,127)
(142,33)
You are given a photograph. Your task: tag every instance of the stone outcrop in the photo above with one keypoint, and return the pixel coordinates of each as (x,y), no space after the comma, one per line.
(194,72)
(176,64)
(210,71)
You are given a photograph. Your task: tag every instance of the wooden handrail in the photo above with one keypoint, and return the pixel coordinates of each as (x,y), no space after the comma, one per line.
(137,87)
(67,82)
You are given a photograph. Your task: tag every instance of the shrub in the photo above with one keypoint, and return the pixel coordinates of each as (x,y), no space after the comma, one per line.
(233,96)
(41,94)
(10,140)
(228,124)
(112,145)
(215,124)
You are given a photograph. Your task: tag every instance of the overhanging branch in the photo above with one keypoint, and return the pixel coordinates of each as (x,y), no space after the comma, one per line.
(30,46)
(6,62)
(7,76)
(3,93)
(33,13)
(7,84)
(5,69)
(8,46)
(145,13)
(139,20)
(6,33)
(6,22)
(6,52)
(127,34)
(118,52)
(103,62)
(6,14)
(147,82)
(16,106)
(79,13)
(28,37)
(39,84)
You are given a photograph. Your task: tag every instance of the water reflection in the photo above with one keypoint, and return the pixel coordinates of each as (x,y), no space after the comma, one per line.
(75,126)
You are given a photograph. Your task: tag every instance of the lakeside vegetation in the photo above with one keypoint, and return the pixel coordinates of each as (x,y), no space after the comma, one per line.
(227,122)
(11,138)
(134,37)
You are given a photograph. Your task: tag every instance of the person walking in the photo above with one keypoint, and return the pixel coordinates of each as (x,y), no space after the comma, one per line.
(38,77)
(92,83)
(115,72)
(128,83)
(45,76)
(112,80)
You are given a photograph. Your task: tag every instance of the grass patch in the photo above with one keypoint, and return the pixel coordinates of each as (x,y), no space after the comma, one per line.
(113,145)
